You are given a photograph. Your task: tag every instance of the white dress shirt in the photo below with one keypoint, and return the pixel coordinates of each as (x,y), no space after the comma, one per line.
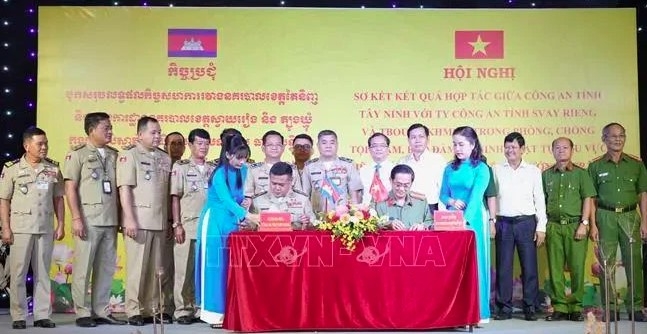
(521,192)
(428,171)
(366,174)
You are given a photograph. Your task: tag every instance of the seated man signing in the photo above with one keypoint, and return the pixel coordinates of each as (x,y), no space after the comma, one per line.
(281,197)
(406,210)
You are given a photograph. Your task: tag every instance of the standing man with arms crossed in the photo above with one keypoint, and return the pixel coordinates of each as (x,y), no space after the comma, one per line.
(90,176)
(189,183)
(569,192)
(31,194)
(621,183)
(143,172)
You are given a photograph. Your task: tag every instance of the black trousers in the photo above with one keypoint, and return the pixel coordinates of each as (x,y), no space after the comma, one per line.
(516,232)
(645,274)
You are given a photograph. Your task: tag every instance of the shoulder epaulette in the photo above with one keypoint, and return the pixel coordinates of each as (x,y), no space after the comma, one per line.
(418,196)
(635,157)
(250,161)
(162,150)
(578,166)
(311,161)
(112,148)
(183,161)
(211,163)
(259,194)
(55,163)
(216,161)
(299,192)
(129,147)
(349,160)
(11,163)
(597,158)
(549,168)
(78,147)
(256,165)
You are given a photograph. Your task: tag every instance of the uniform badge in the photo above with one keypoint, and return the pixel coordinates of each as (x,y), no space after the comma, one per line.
(94,175)
(194,186)
(147,176)
(122,159)
(23,189)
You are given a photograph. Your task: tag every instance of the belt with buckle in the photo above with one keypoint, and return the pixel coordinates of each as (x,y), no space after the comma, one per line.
(565,220)
(618,209)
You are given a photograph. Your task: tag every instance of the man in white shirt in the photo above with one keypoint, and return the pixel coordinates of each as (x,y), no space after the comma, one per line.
(427,166)
(521,223)
(375,175)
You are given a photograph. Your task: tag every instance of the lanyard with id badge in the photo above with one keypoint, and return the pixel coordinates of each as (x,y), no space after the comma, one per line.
(106,185)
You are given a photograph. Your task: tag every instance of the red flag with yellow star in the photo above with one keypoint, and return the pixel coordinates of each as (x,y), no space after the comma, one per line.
(478,44)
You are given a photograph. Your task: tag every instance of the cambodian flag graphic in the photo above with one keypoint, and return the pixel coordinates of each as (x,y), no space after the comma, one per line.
(192,43)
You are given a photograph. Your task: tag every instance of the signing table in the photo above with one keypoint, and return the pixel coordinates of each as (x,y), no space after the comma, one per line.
(392,280)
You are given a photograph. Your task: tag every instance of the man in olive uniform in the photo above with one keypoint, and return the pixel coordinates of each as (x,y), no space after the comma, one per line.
(406,210)
(174,145)
(90,176)
(257,180)
(302,151)
(569,194)
(143,172)
(621,183)
(189,183)
(330,180)
(490,196)
(31,193)
(282,197)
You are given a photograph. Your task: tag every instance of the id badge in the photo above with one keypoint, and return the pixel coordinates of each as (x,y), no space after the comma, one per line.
(107,187)
(336,181)
(41,185)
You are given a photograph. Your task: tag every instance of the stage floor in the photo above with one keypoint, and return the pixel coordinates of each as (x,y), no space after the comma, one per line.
(65,325)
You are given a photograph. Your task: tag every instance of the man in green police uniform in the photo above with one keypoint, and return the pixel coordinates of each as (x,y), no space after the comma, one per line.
(569,192)
(621,183)
(407,210)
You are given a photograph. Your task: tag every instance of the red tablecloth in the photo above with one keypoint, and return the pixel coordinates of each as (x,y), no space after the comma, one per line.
(394,280)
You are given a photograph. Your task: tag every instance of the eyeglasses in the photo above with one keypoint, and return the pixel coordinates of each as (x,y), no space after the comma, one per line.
(302,147)
(374,146)
(402,185)
(273,145)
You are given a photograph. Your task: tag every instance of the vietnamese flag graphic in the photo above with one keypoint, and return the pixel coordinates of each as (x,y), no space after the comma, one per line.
(192,43)
(478,44)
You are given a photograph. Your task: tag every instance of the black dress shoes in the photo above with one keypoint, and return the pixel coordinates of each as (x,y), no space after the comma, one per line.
(184,320)
(85,322)
(503,316)
(44,323)
(638,316)
(557,316)
(612,317)
(20,324)
(136,320)
(530,316)
(109,320)
(576,316)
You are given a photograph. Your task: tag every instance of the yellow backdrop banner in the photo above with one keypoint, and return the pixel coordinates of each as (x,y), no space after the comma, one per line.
(544,73)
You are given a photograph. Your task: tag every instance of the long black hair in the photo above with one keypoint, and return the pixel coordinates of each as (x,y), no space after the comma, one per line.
(477,153)
(234,146)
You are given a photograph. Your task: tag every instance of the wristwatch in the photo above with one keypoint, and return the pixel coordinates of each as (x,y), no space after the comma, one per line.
(176,224)
(585,222)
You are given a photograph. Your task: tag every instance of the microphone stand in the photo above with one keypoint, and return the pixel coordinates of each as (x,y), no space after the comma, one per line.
(632,310)
(608,284)
(160,273)
(154,317)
